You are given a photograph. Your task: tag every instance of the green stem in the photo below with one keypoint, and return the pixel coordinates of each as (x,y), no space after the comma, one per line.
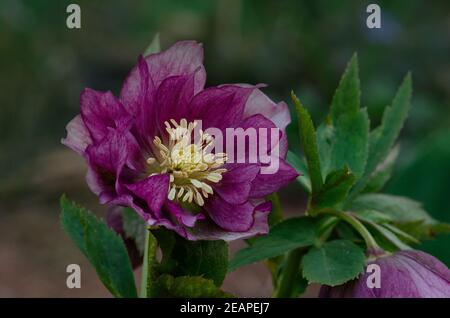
(277,213)
(359,227)
(287,281)
(148,264)
(325,228)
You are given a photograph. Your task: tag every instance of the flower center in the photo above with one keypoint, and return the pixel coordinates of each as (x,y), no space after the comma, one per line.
(191,165)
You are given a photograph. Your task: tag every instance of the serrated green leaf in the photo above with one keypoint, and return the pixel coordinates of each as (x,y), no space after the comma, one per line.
(108,255)
(345,144)
(400,209)
(343,139)
(335,189)
(309,143)
(188,287)
(384,137)
(104,248)
(325,140)
(333,263)
(301,168)
(383,173)
(74,220)
(386,233)
(422,230)
(346,99)
(149,265)
(201,258)
(283,237)
(350,145)
(373,215)
(154,46)
(401,234)
(134,228)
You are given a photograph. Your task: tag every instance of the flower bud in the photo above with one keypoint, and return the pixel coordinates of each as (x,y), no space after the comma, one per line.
(404,274)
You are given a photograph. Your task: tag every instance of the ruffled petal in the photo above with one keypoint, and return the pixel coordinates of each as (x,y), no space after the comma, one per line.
(153,190)
(183,217)
(106,161)
(236,183)
(138,96)
(278,113)
(78,137)
(231,217)
(182,58)
(173,97)
(265,184)
(101,111)
(260,103)
(219,107)
(207,230)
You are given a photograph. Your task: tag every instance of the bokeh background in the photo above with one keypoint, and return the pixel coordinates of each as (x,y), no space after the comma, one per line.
(299,45)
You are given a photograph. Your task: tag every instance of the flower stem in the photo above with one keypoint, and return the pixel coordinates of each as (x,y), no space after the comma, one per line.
(287,281)
(277,213)
(359,227)
(148,264)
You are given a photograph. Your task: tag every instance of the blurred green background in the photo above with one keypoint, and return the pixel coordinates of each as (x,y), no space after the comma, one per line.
(299,45)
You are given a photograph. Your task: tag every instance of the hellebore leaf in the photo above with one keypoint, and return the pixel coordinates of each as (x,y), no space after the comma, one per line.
(74,220)
(406,214)
(343,139)
(333,263)
(309,142)
(346,99)
(149,265)
(401,234)
(283,237)
(382,138)
(208,259)
(335,189)
(400,209)
(373,215)
(325,140)
(301,168)
(386,233)
(188,287)
(350,146)
(383,173)
(102,246)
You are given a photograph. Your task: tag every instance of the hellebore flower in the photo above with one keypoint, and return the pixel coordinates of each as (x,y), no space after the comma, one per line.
(404,274)
(140,152)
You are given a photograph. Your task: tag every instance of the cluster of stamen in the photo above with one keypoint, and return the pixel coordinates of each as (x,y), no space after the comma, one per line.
(191,165)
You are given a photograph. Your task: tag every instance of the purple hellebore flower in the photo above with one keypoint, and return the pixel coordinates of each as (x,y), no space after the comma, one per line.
(136,145)
(404,274)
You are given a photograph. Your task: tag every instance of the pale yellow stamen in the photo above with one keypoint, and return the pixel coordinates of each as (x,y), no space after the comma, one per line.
(191,166)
